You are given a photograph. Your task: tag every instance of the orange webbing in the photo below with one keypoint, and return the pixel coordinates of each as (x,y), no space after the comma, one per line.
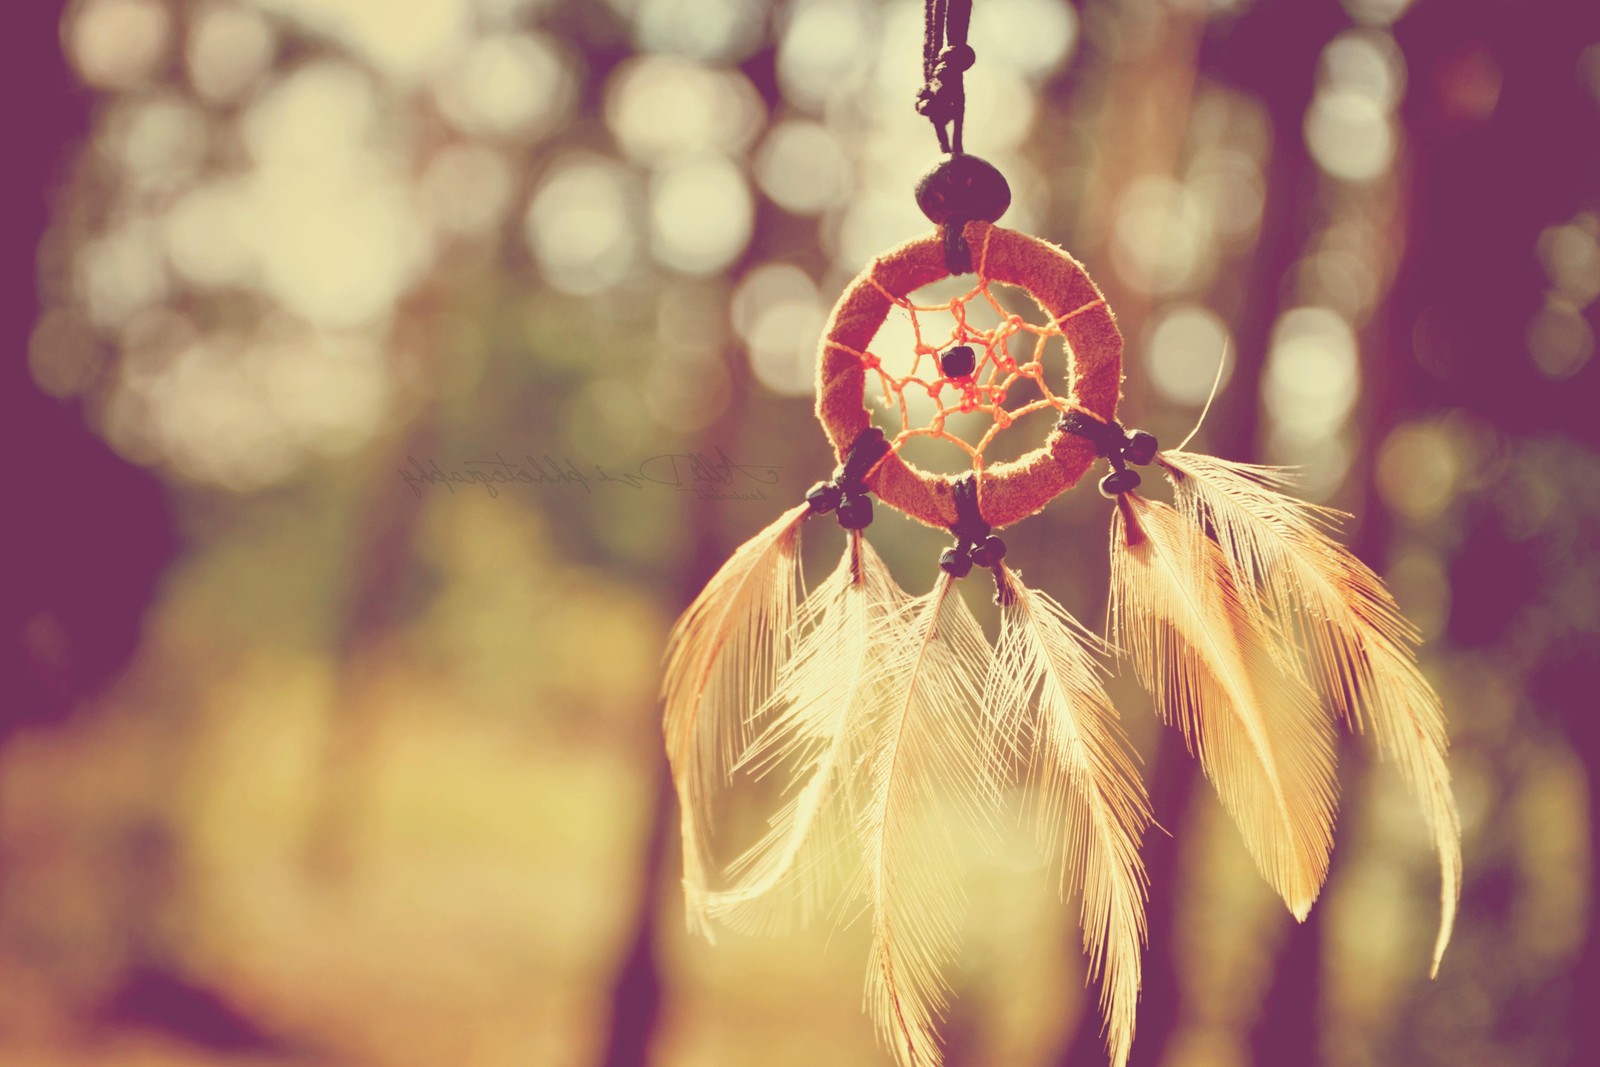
(1078,312)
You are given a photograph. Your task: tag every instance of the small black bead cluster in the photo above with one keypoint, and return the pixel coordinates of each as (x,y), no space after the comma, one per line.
(855,509)
(847,492)
(974,543)
(958,561)
(1118,445)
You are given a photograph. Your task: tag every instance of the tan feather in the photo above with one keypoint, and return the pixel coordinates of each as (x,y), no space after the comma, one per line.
(827,694)
(1361,650)
(925,771)
(1093,807)
(721,663)
(1206,655)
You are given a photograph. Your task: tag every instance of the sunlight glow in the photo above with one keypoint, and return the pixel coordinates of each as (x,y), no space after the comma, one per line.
(338,252)
(207,235)
(660,107)
(516,85)
(1312,377)
(703,29)
(1560,339)
(1368,63)
(121,271)
(330,219)
(701,214)
(1051,39)
(1161,237)
(1376,12)
(1182,349)
(1570,254)
(823,52)
(160,141)
(581,224)
(117,44)
(1417,470)
(804,168)
(403,38)
(1350,135)
(230,49)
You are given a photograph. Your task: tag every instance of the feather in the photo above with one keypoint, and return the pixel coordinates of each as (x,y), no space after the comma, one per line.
(826,696)
(721,663)
(924,764)
(1092,804)
(1362,651)
(1205,653)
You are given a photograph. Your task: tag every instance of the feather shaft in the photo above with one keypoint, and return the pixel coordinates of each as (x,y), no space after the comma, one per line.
(1093,809)
(924,764)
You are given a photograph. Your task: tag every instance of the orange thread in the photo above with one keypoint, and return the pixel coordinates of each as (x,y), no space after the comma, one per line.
(887,295)
(995,373)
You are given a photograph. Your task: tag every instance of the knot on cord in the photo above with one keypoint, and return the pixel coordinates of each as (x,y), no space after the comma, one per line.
(1120,447)
(946,56)
(974,542)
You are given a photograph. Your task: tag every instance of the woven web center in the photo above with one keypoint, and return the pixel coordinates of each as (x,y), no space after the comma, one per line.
(926,391)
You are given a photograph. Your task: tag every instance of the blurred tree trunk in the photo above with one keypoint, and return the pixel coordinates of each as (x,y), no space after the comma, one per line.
(1273,53)
(89,534)
(636,990)
(383,533)
(1506,142)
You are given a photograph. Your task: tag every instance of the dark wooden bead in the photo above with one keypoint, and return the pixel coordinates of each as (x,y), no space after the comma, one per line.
(823,497)
(855,512)
(989,552)
(955,562)
(958,362)
(1140,447)
(963,187)
(1118,482)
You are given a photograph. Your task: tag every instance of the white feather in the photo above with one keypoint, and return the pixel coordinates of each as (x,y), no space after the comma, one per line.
(827,695)
(926,773)
(721,663)
(1207,656)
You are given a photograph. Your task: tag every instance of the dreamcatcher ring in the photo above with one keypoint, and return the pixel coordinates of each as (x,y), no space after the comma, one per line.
(1059,285)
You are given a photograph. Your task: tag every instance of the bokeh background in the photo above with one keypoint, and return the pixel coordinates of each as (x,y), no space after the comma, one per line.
(306,762)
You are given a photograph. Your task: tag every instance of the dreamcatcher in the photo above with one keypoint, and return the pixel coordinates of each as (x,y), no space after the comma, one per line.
(892,718)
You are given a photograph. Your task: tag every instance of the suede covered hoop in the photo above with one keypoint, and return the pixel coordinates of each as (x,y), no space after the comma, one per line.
(1010,491)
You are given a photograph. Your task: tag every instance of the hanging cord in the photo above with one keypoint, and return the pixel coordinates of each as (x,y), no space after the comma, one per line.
(946,56)
(962,188)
